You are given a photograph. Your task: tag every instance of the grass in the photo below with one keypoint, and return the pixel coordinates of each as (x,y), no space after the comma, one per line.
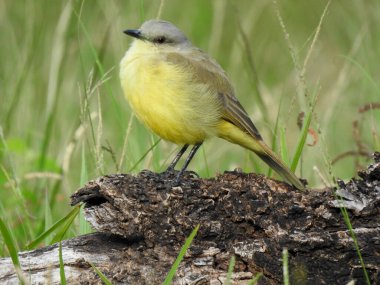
(285,266)
(63,119)
(231,266)
(101,275)
(61,266)
(9,243)
(181,255)
(353,236)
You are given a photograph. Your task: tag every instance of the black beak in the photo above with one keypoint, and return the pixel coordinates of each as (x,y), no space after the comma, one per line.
(133,33)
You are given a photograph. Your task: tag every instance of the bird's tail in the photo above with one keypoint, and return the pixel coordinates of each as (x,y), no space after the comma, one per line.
(234,134)
(270,158)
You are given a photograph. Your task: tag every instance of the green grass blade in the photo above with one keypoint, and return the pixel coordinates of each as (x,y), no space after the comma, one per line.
(97,59)
(101,275)
(156,155)
(367,75)
(54,227)
(255,279)
(48,216)
(12,249)
(231,266)
(63,230)
(61,266)
(180,256)
(254,80)
(275,133)
(353,236)
(285,266)
(10,243)
(101,54)
(16,96)
(144,155)
(305,129)
(54,191)
(283,146)
(6,159)
(53,94)
(46,141)
(206,165)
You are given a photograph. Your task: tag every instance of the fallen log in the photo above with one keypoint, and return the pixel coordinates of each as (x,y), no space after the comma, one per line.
(142,222)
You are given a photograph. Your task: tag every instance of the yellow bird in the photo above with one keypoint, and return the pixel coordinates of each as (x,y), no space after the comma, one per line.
(185,97)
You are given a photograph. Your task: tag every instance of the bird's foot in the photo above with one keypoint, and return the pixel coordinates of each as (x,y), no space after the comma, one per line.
(169,174)
(173,178)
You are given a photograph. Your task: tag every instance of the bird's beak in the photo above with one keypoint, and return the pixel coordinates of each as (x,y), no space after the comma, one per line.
(133,33)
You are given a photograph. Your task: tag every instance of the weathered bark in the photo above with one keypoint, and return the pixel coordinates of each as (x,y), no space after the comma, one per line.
(145,222)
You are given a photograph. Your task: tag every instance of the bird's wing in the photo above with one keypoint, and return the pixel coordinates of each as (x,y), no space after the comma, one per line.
(205,70)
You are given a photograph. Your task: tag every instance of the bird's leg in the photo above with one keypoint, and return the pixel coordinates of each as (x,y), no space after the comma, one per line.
(176,158)
(188,159)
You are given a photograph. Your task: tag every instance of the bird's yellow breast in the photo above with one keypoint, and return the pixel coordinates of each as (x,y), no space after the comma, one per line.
(165,98)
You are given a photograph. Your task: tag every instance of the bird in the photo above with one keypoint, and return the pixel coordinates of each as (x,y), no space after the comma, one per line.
(184,96)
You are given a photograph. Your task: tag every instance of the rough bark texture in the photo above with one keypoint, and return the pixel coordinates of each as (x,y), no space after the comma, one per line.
(144,223)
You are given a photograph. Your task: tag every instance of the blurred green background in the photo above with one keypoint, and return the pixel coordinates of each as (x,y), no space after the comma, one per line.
(64,120)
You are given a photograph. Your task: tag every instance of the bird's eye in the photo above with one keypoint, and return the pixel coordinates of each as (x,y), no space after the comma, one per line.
(160,40)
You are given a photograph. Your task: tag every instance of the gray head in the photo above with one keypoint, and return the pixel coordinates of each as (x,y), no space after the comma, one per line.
(159,32)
